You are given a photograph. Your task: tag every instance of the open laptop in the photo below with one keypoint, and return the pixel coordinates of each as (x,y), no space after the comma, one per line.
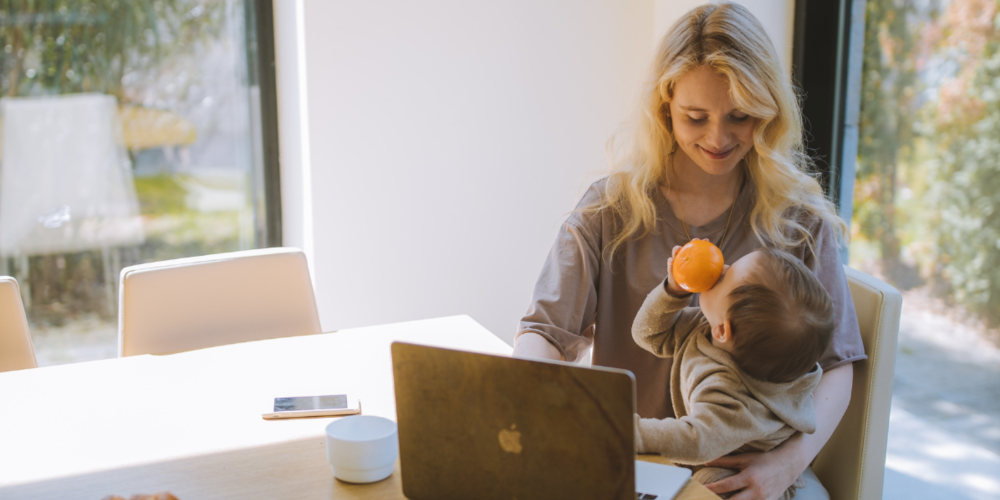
(491,427)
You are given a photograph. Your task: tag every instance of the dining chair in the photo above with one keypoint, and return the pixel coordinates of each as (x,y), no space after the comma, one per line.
(16,351)
(198,302)
(852,464)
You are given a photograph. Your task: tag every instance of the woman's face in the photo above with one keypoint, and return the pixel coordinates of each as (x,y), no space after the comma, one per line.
(707,126)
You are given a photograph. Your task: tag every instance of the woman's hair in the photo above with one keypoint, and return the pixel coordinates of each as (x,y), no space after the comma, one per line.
(782,321)
(727,38)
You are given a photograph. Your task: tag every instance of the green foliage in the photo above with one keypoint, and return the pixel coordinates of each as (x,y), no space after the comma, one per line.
(886,124)
(964,195)
(69,46)
(160,194)
(927,192)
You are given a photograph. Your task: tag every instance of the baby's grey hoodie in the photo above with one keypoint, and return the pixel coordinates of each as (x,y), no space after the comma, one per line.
(719,409)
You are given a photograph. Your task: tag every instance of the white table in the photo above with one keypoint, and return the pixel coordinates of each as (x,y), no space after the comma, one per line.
(190,423)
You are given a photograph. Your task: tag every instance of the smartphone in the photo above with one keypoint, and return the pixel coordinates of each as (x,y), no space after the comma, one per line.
(314,406)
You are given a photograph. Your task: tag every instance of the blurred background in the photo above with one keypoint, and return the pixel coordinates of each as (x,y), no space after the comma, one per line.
(927,219)
(128,137)
(430,150)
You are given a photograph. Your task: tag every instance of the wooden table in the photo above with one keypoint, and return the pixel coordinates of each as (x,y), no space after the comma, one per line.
(189,423)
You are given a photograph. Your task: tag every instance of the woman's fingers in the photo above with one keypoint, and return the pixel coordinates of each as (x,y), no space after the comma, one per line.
(673,253)
(747,494)
(729,484)
(761,476)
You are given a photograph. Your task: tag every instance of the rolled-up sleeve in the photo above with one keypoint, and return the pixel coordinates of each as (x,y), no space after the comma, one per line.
(846,346)
(564,301)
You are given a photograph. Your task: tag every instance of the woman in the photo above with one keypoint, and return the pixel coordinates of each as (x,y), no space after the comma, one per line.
(716,153)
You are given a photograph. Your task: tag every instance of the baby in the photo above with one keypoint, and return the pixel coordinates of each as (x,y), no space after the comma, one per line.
(745,362)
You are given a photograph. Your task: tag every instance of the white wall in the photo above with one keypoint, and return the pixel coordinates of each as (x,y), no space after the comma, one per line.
(449,138)
(293,126)
(447,141)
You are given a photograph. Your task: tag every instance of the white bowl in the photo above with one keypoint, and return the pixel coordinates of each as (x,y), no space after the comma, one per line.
(362,448)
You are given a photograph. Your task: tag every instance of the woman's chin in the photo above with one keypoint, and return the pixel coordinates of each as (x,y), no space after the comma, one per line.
(717,167)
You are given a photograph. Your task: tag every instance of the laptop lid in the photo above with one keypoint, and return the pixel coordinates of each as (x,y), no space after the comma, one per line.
(482,426)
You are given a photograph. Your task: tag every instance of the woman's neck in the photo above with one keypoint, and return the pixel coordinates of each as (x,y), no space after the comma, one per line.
(697,197)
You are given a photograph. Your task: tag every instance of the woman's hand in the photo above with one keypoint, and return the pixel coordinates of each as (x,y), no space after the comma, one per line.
(762,476)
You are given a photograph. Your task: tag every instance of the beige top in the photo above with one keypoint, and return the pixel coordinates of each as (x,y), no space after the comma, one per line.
(583,299)
(719,408)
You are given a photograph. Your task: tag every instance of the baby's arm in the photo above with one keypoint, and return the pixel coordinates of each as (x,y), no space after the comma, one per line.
(720,422)
(662,320)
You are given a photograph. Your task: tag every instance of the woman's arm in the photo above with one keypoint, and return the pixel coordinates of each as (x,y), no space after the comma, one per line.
(764,476)
(533,345)
(559,321)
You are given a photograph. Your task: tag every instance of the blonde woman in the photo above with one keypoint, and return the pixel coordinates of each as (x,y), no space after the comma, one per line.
(716,153)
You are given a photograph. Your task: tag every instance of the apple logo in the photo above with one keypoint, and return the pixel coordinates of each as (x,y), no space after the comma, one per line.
(510,439)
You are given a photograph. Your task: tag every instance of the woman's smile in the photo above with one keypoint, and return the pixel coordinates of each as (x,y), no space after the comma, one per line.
(720,155)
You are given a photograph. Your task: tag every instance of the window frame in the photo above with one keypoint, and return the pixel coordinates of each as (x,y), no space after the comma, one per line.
(263,73)
(827,64)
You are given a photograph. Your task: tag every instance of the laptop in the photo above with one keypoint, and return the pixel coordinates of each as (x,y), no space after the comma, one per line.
(492,427)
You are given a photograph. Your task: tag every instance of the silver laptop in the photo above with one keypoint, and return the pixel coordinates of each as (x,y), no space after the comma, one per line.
(492,427)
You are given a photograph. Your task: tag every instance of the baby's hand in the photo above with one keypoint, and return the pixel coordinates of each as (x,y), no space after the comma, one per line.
(672,287)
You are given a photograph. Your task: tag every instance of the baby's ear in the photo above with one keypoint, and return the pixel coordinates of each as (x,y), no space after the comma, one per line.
(723,332)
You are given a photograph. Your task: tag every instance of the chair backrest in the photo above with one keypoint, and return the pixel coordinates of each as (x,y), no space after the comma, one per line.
(16,351)
(852,464)
(185,304)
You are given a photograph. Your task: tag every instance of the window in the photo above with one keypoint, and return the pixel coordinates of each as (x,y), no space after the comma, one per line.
(925,216)
(131,132)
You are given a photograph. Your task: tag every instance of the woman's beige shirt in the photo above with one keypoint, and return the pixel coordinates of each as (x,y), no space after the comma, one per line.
(583,299)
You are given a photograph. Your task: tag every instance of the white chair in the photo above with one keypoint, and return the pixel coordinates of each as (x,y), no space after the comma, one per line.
(185,304)
(852,464)
(16,351)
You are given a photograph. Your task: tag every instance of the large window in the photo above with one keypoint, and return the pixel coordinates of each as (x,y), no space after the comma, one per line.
(132,131)
(926,217)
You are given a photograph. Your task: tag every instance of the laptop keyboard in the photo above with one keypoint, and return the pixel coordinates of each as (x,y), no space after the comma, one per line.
(644,496)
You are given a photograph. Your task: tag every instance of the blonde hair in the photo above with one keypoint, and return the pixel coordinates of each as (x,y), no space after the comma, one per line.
(727,38)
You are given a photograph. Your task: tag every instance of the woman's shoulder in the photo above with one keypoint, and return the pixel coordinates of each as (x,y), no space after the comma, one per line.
(595,193)
(815,233)
(590,208)
(806,218)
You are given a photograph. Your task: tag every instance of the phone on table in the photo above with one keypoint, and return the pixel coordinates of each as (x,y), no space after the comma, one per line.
(314,406)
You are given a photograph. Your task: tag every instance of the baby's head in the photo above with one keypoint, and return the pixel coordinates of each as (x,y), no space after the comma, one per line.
(771,313)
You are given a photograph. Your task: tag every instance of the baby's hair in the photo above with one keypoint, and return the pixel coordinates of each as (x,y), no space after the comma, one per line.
(782,322)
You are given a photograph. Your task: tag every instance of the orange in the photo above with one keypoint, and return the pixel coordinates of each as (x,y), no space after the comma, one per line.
(697,266)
